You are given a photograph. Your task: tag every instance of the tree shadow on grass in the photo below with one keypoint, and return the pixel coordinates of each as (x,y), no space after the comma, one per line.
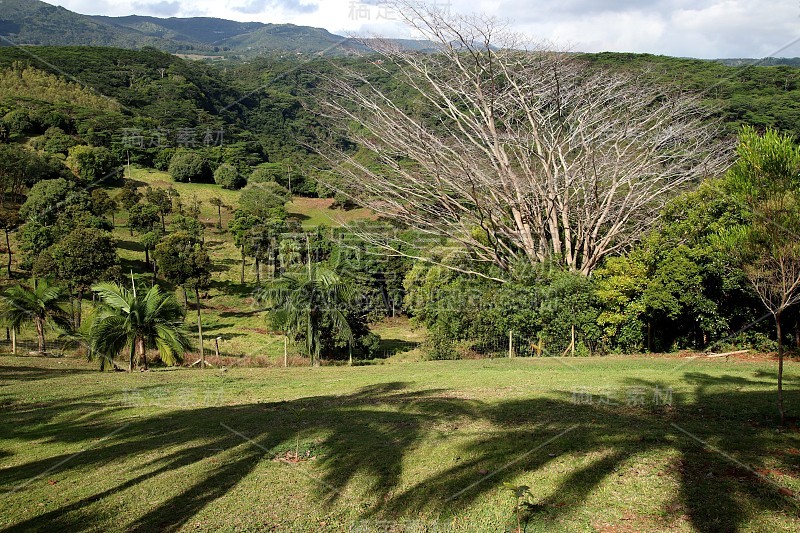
(370,434)
(233,288)
(11,374)
(390,347)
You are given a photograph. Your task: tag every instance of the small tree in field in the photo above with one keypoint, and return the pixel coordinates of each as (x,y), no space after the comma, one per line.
(241,227)
(183,260)
(137,321)
(217,202)
(129,195)
(188,167)
(160,199)
(103,204)
(42,304)
(9,220)
(300,302)
(84,257)
(766,178)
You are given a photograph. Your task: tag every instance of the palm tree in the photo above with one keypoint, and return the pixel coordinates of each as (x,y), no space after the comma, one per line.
(300,301)
(289,253)
(43,304)
(139,321)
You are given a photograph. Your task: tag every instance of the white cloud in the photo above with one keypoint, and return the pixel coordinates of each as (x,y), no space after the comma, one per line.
(699,28)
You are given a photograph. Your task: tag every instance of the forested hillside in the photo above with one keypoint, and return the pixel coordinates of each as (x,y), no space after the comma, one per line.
(152,152)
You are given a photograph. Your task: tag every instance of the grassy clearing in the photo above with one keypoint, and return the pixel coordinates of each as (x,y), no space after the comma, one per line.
(396,447)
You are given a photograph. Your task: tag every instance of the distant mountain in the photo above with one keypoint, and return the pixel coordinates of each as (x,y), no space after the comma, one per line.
(38,23)
(205,30)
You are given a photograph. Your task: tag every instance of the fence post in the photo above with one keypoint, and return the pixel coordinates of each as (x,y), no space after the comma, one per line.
(573,340)
(510,343)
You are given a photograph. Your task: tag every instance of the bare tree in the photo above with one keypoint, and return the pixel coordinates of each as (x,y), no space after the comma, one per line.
(515,152)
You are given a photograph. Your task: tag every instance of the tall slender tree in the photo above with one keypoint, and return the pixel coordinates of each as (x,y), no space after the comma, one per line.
(766,178)
(183,260)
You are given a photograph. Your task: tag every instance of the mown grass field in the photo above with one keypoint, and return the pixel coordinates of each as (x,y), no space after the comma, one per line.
(605,444)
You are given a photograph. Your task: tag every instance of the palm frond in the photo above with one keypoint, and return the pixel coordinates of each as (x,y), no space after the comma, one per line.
(114,295)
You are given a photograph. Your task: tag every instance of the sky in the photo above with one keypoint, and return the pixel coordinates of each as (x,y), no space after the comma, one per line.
(686,28)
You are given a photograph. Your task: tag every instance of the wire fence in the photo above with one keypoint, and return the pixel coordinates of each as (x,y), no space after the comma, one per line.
(25,347)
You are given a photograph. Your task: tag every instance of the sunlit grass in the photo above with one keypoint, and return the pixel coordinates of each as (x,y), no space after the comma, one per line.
(398,446)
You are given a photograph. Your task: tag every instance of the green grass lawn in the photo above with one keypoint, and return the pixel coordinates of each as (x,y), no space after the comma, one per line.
(605,444)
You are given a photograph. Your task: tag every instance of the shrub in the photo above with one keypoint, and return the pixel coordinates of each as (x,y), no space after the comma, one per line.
(162,160)
(92,163)
(227,177)
(188,167)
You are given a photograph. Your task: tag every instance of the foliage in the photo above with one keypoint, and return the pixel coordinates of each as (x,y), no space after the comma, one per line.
(41,304)
(93,164)
(83,257)
(228,177)
(103,203)
(183,260)
(128,195)
(21,168)
(540,304)
(188,167)
(54,141)
(264,200)
(142,217)
(300,301)
(138,322)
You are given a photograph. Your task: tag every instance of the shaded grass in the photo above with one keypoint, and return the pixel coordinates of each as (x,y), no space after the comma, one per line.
(398,446)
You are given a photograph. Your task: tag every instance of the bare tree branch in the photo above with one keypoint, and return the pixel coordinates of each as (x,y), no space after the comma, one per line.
(514,151)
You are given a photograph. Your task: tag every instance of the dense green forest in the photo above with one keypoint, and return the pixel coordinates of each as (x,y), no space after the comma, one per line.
(89,133)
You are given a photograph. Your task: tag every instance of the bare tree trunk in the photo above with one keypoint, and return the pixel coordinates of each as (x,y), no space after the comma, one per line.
(200,328)
(40,334)
(780,367)
(132,356)
(79,309)
(185,299)
(243,264)
(142,353)
(8,249)
(258,271)
(14,341)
